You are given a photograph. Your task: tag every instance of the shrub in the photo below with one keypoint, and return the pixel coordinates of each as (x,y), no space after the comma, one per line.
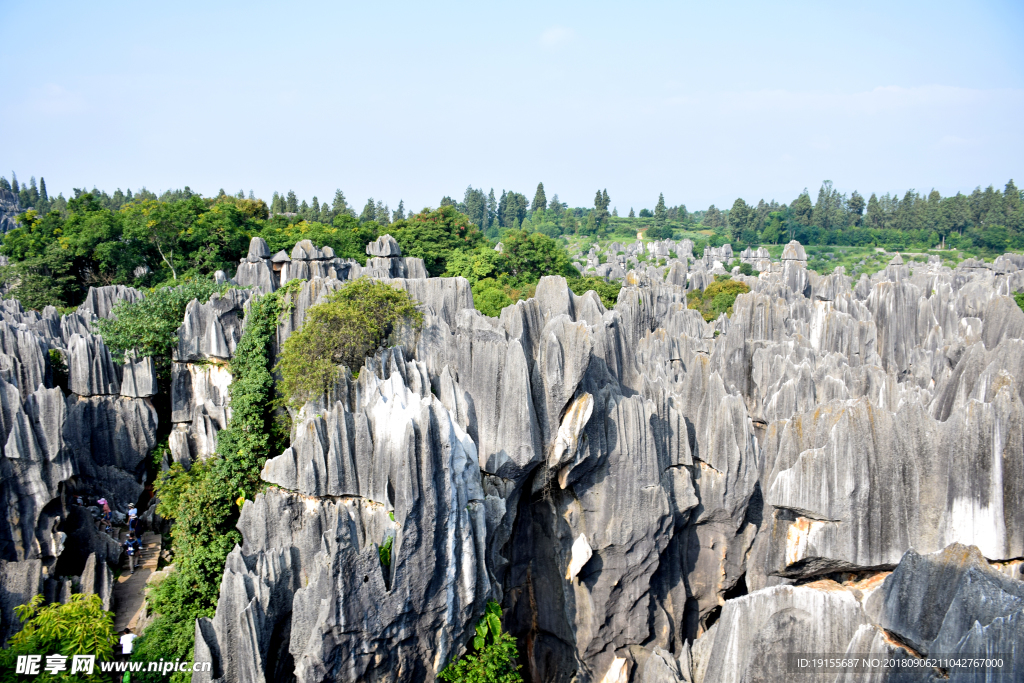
(494,656)
(717,299)
(608,291)
(149,327)
(349,326)
(747,269)
(79,627)
(489,297)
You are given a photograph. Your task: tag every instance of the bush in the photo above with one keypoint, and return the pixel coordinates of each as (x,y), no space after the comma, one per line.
(717,299)
(489,297)
(434,235)
(80,627)
(149,327)
(344,330)
(494,658)
(347,236)
(659,233)
(608,291)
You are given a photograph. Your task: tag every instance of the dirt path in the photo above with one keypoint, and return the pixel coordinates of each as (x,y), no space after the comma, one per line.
(130,589)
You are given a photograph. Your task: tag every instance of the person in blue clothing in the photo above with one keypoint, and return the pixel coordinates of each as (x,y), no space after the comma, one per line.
(133,520)
(133,548)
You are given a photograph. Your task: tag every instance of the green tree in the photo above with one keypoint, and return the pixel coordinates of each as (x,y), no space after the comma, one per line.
(340,206)
(369,212)
(435,235)
(739,218)
(349,326)
(601,203)
(773,231)
(79,627)
(540,200)
(631,214)
(528,256)
(802,208)
(291,203)
(660,212)
(149,327)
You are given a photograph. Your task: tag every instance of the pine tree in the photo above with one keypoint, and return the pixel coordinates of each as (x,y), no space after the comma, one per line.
(856,207)
(502,204)
(251,195)
(540,200)
(739,217)
(4,185)
(14,183)
(340,206)
(492,209)
(660,212)
(291,204)
(304,210)
(275,204)
(369,212)
(615,212)
(874,215)
(314,209)
(383,215)
(555,206)
(400,211)
(802,208)
(632,214)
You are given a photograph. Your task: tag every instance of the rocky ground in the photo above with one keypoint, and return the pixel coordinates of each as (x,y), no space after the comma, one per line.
(837,467)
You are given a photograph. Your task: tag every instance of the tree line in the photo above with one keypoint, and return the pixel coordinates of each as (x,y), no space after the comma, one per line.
(62,247)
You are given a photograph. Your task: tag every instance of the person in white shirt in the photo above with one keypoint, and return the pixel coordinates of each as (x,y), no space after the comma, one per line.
(126,642)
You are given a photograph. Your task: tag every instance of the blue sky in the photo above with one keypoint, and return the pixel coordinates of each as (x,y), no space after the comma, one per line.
(702,101)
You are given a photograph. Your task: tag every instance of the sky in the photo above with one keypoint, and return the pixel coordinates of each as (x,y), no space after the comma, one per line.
(702,101)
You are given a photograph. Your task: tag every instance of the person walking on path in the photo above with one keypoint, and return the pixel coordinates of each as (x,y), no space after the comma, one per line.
(126,643)
(106,516)
(133,520)
(133,548)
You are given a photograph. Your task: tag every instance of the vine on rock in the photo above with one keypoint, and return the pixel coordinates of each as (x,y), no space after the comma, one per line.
(204,502)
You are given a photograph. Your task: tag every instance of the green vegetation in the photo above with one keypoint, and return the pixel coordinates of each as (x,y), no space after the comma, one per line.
(493,659)
(608,291)
(61,247)
(79,627)
(148,327)
(385,552)
(344,330)
(204,501)
(717,298)
(434,235)
(1019,298)
(346,236)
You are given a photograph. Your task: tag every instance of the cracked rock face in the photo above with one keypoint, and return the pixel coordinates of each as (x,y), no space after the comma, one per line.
(649,497)
(837,467)
(92,442)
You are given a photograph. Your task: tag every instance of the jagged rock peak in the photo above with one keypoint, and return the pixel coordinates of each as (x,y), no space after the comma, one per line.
(100,300)
(304,250)
(385,245)
(794,251)
(258,249)
(897,260)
